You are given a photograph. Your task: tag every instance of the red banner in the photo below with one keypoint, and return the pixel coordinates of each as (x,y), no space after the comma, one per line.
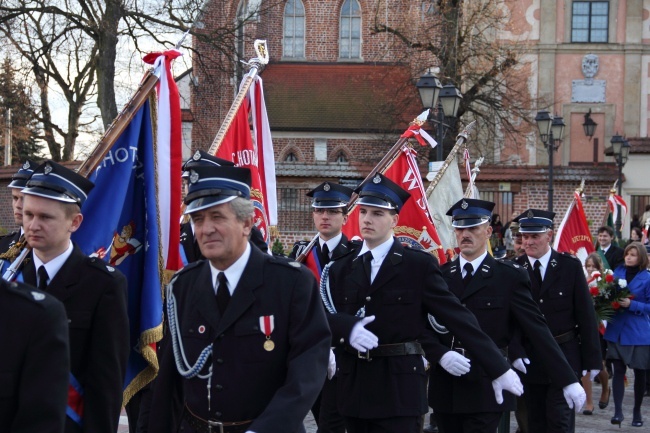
(573,236)
(415,226)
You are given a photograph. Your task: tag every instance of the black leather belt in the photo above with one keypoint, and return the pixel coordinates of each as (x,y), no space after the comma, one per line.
(463,351)
(566,337)
(399,349)
(209,426)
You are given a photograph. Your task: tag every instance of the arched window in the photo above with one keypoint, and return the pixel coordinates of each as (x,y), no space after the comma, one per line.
(291,157)
(350,32)
(341,158)
(294,30)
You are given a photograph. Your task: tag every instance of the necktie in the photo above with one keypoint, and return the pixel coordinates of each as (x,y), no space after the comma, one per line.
(42,278)
(469,269)
(223,294)
(367,265)
(325,254)
(537,272)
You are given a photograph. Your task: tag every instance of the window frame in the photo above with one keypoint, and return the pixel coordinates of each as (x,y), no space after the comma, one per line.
(347,4)
(590,25)
(293,37)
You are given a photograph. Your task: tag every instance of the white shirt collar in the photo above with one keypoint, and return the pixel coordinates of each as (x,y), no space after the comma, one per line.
(543,261)
(54,265)
(379,253)
(475,263)
(234,272)
(331,243)
(604,250)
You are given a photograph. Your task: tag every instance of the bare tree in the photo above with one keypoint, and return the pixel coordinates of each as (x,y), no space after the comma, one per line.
(74,44)
(464,41)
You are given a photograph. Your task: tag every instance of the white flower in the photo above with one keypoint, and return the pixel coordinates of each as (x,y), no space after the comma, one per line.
(622,283)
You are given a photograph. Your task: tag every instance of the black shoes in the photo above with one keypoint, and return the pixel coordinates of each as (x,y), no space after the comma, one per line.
(603,404)
(637,421)
(617,419)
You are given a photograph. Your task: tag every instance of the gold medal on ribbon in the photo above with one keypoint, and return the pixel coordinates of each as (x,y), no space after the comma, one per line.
(266,326)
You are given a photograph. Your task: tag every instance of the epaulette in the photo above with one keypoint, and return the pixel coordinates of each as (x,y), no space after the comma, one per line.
(348,252)
(26,291)
(285,261)
(98,263)
(511,264)
(303,242)
(569,255)
(187,267)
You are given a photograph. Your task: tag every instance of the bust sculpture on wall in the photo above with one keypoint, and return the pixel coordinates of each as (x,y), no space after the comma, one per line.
(589,90)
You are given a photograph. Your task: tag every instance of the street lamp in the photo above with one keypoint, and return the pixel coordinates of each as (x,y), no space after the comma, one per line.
(589,126)
(620,150)
(446,101)
(551,131)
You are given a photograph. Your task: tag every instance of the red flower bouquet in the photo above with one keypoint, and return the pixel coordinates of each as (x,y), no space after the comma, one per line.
(607,293)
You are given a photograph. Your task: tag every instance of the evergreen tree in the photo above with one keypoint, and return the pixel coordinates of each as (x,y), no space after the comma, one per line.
(14,96)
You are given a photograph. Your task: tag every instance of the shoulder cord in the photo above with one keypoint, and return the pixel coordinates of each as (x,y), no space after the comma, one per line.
(182,365)
(326,294)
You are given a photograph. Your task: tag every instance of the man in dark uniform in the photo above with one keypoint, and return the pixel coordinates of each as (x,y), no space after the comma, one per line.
(560,289)
(330,201)
(612,255)
(247,343)
(378,300)
(35,365)
(190,251)
(93,293)
(18,182)
(497,292)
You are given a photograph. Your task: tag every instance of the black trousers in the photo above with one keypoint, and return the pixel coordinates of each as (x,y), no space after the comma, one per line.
(330,420)
(482,422)
(402,424)
(548,411)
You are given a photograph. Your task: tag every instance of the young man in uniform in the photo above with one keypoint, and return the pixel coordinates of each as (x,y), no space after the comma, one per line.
(247,343)
(18,182)
(330,202)
(93,293)
(560,289)
(378,300)
(497,292)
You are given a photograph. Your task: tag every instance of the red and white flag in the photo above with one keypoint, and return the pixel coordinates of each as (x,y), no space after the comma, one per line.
(613,204)
(169,156)
(415,226)
(255,154)
(573,236)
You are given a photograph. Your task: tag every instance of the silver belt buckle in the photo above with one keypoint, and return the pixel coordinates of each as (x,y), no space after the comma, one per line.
(215,424)
(364,355)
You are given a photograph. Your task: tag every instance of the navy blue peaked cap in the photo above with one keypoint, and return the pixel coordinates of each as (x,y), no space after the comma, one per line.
(535,221)
(213,185)
(56,182)
(330,195)
(19,180)
(470,212)
(202,158)
(382,192)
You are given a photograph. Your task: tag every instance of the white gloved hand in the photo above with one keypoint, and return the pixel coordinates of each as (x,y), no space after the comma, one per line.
(520,364)
(575,396)
(508,381)
(331,365)
(362,339)
(426,363)
(592,374)
(454,363)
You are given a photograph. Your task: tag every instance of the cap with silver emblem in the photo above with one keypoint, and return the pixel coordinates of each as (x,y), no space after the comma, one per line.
(213,185)
(382,192)
(470,212)
(330,195)
(54,181)
(19,180)
(202,159)
(535,221)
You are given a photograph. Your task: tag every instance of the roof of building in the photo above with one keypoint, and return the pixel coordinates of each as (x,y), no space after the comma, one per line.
(601,172)
(639,144)
(344,171)
(339,97)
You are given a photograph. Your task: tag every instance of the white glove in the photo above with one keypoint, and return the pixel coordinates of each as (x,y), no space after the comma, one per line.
(520,364)
(362,339)
(454,363)
(426,363)
(575,396)
(592,374)
(331,365)
(508,381)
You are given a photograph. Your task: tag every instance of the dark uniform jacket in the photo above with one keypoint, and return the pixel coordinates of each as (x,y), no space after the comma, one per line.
(565,302)
(344,246)
(499,297)
(95,299)
(274,388)
(408,286)
(8,240)
(35,363)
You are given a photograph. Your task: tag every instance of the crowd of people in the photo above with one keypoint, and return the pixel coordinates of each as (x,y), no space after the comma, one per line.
(366,334)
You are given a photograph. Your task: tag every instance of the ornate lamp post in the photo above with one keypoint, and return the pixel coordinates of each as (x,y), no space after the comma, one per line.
(445,100)
(551,131)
